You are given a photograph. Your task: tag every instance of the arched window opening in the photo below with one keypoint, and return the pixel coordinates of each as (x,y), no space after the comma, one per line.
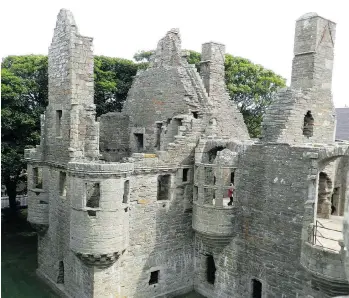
(308,124)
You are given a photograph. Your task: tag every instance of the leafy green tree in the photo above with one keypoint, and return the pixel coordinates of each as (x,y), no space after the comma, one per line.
(24,92)
(143,56)
(113,78)
(253,88)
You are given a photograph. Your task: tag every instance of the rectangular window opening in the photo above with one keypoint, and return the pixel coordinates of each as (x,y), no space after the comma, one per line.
(256,288)
(211,269)
(139,137)
(195,114)
(60,277)
(62,184)
(164,183)
(154,277)
(126,191)
(59,123)
(185,175)
(93,194)
(232,177)
(37,178)
(158,135)
(308,126)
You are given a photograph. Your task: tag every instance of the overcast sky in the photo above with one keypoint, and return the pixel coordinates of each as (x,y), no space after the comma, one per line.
(260,30)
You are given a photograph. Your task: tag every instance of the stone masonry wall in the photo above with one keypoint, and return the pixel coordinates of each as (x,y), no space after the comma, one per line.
(114,136)
(270,192)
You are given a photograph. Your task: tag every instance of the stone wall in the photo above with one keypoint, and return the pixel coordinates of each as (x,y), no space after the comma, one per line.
(114,142)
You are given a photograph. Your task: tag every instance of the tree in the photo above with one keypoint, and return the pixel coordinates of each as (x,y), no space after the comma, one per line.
(24,92)
(253,88)
(113,78)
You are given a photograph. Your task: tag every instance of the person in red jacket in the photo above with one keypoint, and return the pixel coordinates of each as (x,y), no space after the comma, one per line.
(230,194)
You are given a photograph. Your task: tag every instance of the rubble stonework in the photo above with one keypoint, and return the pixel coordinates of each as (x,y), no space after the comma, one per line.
(135,204)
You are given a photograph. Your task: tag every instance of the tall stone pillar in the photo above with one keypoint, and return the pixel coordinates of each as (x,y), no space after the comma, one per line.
(313,50)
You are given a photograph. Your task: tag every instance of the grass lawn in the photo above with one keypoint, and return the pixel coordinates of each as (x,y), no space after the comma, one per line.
(19,261)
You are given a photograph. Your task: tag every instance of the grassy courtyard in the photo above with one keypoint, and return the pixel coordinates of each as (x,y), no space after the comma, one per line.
(18,260)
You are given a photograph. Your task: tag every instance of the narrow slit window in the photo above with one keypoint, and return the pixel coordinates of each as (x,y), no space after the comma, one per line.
(256,288)
(62,184)
(164,182)
(308,126)
(185,175)
(60,277)
(154,277)
(158,135)
(211,270)
(195,193)
(37,178)
(139,138)
(93,195)
(59,123)
(126,191)
(232,177)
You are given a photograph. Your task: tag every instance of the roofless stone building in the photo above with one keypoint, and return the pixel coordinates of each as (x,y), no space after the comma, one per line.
(135,203)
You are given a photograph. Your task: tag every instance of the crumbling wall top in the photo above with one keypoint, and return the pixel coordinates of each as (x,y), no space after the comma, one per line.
(168,51)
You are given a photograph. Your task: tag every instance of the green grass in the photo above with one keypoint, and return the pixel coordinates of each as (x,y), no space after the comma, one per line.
(19,260)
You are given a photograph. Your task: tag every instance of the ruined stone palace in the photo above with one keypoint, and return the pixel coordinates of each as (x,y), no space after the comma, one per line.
(135,204)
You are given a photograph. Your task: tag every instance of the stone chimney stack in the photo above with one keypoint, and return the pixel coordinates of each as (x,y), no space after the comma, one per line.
(212,68)
(313,52)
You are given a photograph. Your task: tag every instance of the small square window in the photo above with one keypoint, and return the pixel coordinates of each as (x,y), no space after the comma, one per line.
(154,277)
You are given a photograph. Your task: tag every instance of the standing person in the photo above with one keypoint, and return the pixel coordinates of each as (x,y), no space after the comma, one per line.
(230,194)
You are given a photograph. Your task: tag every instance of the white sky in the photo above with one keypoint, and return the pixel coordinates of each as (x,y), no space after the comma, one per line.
(260,30)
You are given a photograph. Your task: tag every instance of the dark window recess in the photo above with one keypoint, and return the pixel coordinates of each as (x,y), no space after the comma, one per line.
(60,278)
(93,195)
(37,178)
(195,115)
(158,135)
(308,126)
(232,177)
(195,193)
(126,191)
(154,277)
(59,123)
(139,141)
(164,182)
(62,184)
(185,175)
(91,212)
(211,270)
(256,288)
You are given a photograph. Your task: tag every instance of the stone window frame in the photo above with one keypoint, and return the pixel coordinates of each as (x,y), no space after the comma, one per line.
(133,143)
(63,186)
(161,275)
(92,211)
(169,196)
(37,182)
(253,278)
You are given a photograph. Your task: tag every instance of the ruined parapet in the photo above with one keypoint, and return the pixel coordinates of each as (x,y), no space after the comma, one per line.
(99,215)
(168,51)
(304,113)
(226,120)
(70,127)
